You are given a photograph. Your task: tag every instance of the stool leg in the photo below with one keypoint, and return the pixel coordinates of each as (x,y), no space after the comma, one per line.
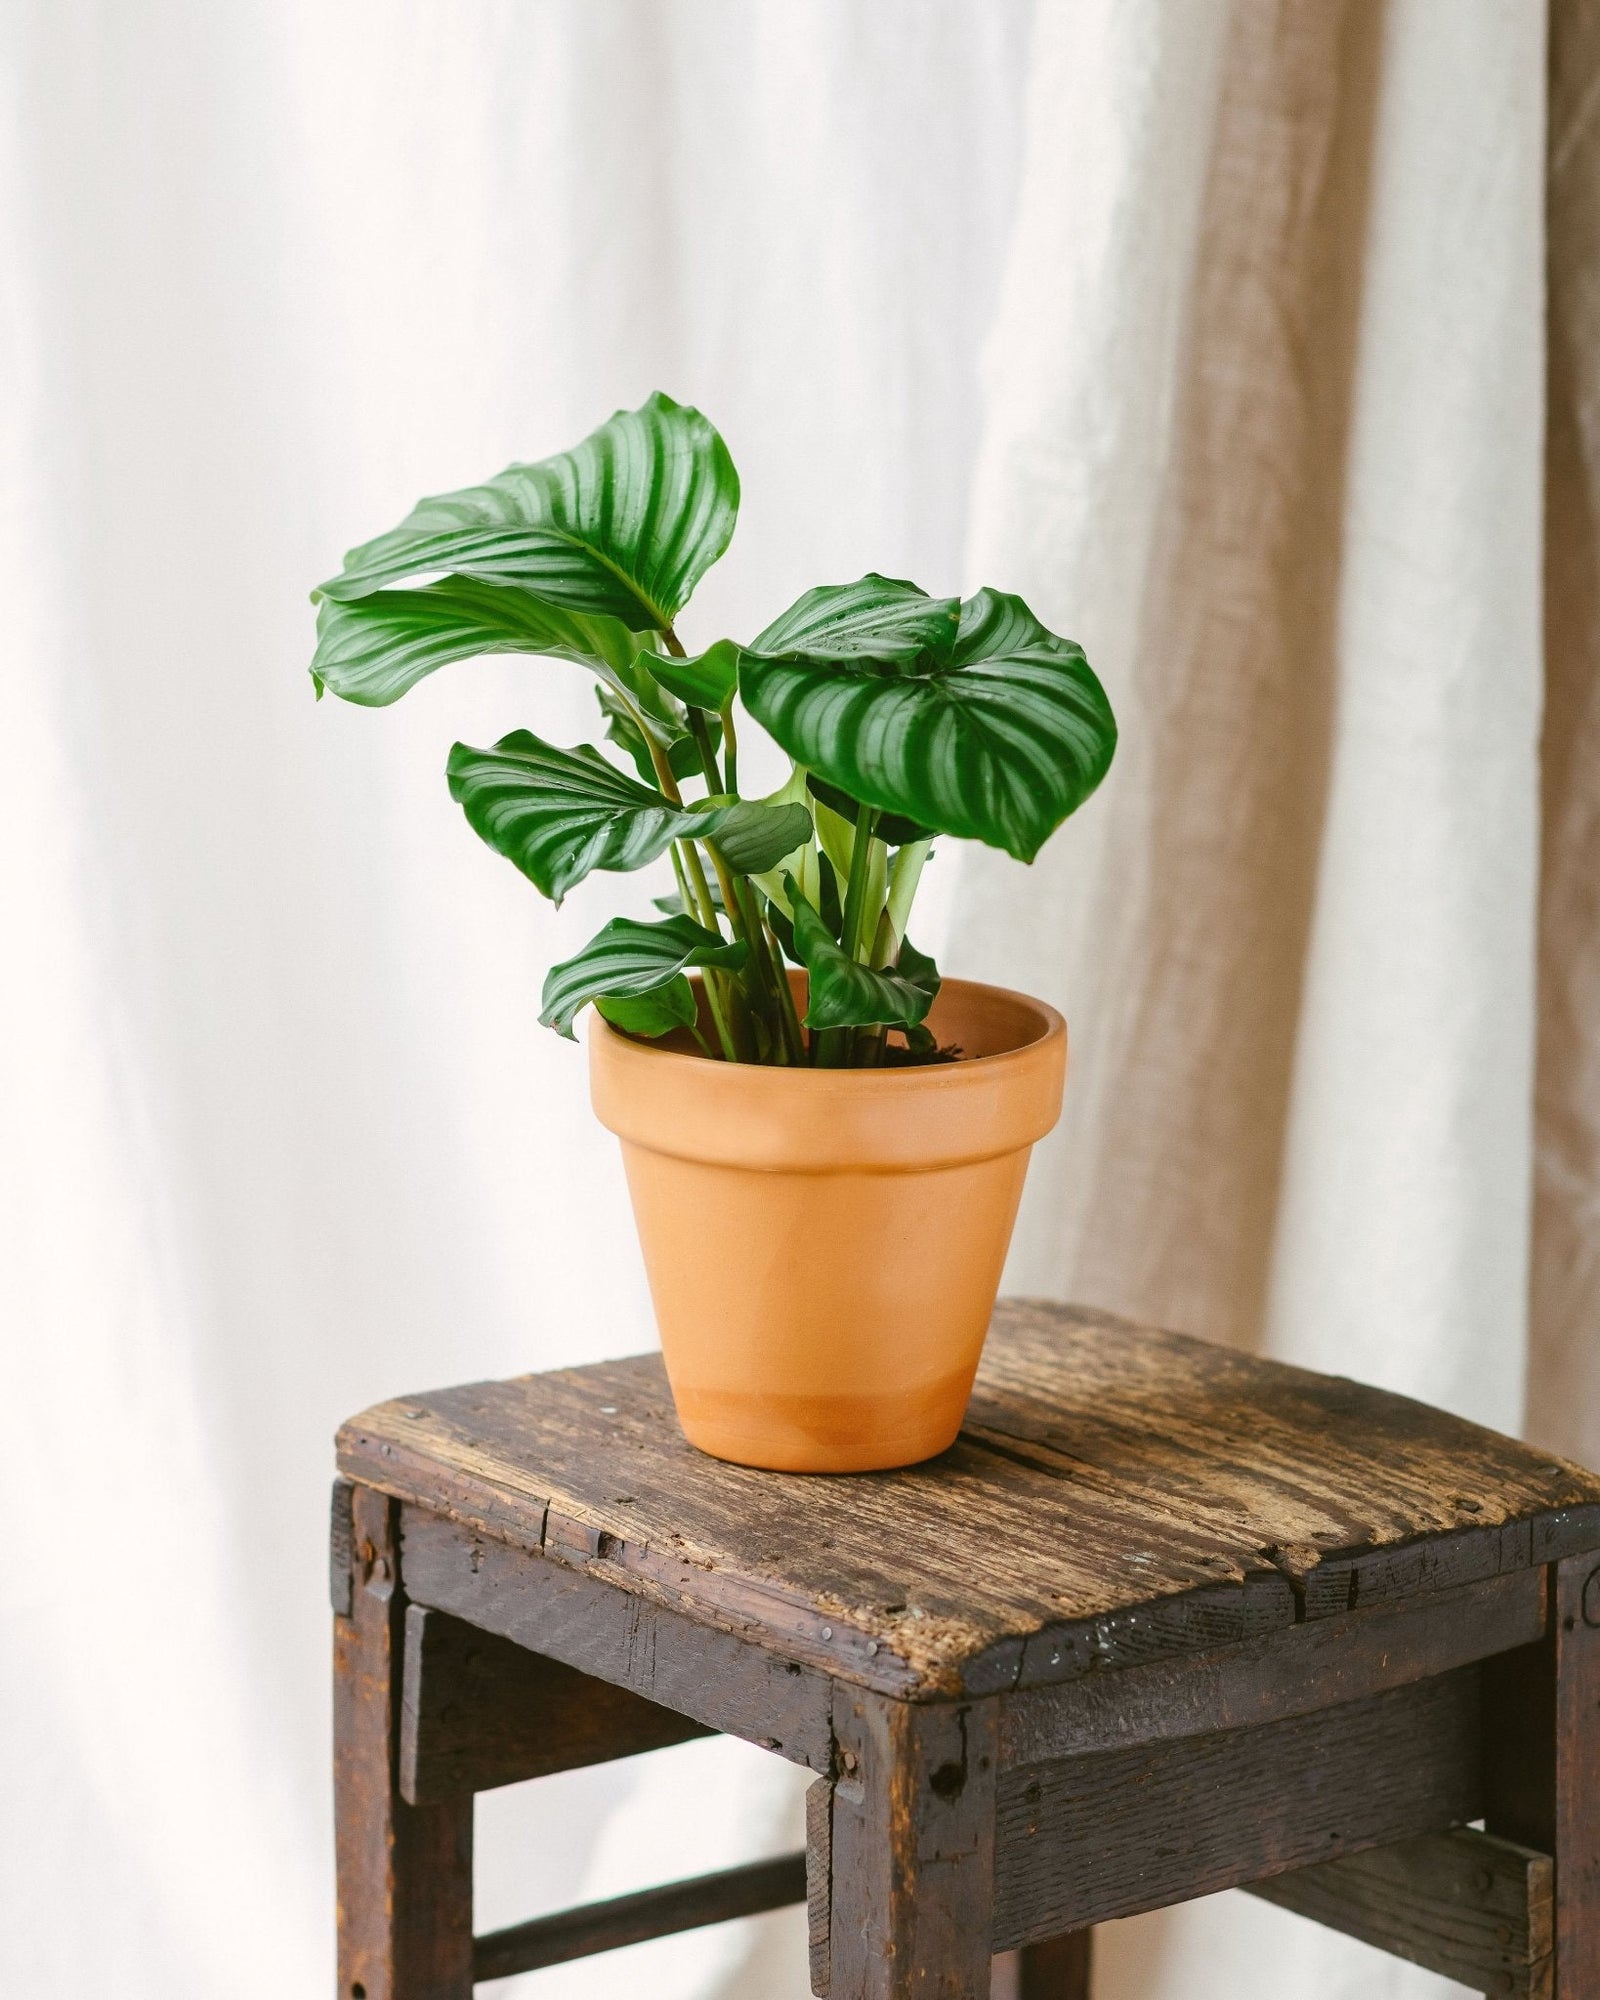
(1058,1970)
(405,1872)
(910,1851)
(1541,1735)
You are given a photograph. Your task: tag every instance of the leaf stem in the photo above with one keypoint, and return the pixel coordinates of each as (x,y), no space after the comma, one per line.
(730,747)
(696,894)
(835,1045)
(855,892)
(707,755)
(769,967)
(905,873)
(791,1017)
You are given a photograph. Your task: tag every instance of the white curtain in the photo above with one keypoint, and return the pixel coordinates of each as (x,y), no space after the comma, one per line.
(1217,329)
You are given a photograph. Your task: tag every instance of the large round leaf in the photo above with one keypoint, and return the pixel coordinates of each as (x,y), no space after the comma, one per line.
(627,959)
(624,525)
(998,745)
(374,650)
(880,616)
(558,814)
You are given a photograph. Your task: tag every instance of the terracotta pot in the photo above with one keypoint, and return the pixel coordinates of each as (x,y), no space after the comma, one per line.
(824,1246)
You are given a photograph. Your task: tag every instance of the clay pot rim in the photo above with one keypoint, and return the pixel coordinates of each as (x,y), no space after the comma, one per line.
(1052,1027)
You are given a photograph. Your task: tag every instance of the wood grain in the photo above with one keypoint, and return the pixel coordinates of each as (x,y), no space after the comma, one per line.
(1463,1904)
(703,1673)
(479,1712)
(1313,1666)
(819,1881)
(404,1872)
(1088,1838)
(911,1850)
(1118,1495)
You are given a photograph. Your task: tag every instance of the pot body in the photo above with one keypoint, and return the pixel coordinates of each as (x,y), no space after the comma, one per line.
(824,1246)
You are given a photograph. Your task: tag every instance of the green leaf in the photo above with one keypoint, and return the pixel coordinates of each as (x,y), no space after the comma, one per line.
(371,652)
(847,994)
(995,625)
(627,959)
(997,745)
(652,1014)
(918,968)
(558,814)
(801,860)
(624,525)
(707,680)
(752,837)
(881,617)
(781,924)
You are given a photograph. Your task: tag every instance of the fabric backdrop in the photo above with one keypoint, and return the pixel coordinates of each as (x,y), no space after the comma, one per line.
(1217,327)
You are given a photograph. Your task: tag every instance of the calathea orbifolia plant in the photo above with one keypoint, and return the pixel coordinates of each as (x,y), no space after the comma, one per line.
(905,716)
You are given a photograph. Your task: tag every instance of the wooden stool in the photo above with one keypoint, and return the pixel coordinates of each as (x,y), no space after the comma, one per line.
(1165,1620)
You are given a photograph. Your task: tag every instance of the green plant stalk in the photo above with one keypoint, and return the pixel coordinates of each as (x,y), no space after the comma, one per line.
(730,746)
(855,888)
(795,1033)
(834,1046)
(738,923)
(703,749)
(695,891)
(904,875)
(742,920)
(715,998)
(770,965)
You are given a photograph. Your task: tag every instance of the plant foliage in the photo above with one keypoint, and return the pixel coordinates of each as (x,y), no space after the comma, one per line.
(905,716)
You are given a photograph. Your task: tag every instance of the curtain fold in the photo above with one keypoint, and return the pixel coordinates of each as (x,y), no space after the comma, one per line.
(1564,1363)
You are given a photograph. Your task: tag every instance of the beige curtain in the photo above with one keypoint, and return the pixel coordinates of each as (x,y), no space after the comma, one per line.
(1281,424)
(1564,1374)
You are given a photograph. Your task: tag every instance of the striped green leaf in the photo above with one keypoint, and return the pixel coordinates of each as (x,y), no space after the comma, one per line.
(846,994)
(377,648)
(880,617)
(1000,744)
(652,1014)
(627,959)
(623,526)
(559,814)
(752,837)
(995,625)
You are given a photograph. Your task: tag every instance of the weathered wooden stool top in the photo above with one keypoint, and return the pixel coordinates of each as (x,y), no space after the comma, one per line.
(1165,1620)
(1118,1495)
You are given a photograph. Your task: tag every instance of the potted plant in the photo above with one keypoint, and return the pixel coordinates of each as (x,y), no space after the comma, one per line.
(825,1143)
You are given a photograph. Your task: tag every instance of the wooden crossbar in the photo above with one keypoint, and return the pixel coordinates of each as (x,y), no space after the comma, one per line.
(650,1913)
(1464,1905)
